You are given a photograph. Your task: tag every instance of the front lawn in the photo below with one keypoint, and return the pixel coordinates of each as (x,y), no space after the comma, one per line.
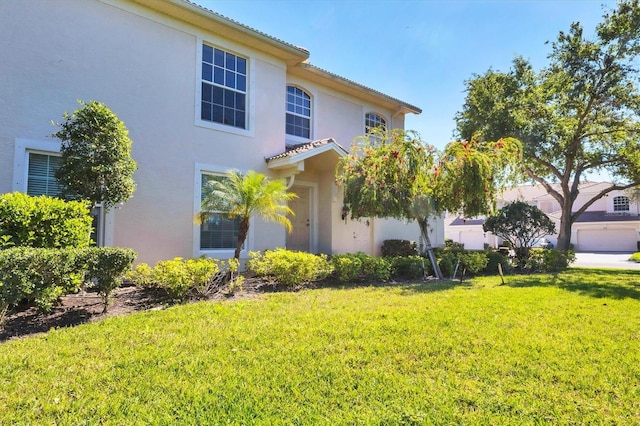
(541,349)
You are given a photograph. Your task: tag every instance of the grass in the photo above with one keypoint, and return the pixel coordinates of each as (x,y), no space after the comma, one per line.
(541,349)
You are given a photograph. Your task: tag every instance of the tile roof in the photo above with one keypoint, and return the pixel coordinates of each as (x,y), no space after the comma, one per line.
(414,108)
(246,27)
(292,150)
(460,221)
(603,216)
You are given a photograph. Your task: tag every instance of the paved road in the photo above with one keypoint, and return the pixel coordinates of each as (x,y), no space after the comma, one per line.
(605,260)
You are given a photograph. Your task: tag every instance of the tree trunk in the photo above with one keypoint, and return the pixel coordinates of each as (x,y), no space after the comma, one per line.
(423,223)
(242,236)
(564,235)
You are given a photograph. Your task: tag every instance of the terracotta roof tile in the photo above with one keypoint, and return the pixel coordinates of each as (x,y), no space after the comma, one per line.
(292,150)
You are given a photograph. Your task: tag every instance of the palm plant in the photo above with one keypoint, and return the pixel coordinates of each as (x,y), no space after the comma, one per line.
(242,196)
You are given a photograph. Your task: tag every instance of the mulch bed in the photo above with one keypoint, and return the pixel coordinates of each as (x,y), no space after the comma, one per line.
(83,307)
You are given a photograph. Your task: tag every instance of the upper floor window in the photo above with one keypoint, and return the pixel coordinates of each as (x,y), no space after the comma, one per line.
(41,179)
(298,113)
(224,87)
(620,203)
(374,121)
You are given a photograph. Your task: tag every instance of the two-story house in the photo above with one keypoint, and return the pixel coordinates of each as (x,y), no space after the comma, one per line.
(200,94)
(611,223)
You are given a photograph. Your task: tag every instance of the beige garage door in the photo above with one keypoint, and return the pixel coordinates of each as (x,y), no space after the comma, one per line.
(472,240)
(607,240)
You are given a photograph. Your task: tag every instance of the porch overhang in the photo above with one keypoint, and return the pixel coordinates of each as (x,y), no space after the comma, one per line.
(292,161)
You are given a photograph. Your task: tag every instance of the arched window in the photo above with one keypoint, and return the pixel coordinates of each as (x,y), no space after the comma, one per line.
(298,113)
(374,121)
(620,203)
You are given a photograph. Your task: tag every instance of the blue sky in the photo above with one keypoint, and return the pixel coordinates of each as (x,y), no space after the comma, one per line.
(420,51)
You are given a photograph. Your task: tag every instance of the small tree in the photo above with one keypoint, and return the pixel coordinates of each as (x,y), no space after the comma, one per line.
(396,175)
(96,156)
(242,196)
(520,224)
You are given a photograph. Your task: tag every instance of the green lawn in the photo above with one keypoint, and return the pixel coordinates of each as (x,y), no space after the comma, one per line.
(541,349)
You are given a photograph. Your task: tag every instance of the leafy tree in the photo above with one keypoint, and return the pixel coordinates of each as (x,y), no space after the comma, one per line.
(579,115)
(520,224)
(243,196)
(96,156)
(396,175)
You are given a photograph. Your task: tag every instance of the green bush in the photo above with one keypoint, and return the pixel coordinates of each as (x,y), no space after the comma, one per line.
(410,267)
(549,260)
(404,248)
(447,261)
(37,274)
(290,268)
(493,259)
(105,267)
(472,262)
(360,266)
(635,257)
(44,222)
(346,268)
(178,277)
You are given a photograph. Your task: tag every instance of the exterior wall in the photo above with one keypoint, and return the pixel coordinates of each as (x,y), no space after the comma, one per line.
(145,66)
(86,50)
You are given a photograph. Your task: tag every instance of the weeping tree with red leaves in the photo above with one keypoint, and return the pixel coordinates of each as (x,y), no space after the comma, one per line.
(395,174)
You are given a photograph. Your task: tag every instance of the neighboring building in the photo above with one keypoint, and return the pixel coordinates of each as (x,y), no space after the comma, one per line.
(200,94)
(612,223)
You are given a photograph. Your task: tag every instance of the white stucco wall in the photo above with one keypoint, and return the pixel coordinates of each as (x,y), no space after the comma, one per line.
(145,67)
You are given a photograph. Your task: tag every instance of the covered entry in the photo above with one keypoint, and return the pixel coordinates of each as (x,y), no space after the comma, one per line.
(309,171)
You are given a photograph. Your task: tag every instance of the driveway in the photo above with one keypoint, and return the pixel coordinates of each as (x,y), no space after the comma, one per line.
(605,260)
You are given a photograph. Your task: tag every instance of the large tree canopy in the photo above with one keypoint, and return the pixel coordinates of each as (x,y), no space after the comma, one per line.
(578,116)
(396,175)
(96,156)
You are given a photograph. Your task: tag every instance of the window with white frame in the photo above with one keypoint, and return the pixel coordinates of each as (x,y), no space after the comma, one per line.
(41,179)
(218,232)
(374,121)
(620,203)
(224,87)
(298,113)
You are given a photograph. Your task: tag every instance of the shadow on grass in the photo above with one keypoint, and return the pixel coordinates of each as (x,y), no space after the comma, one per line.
(599,283)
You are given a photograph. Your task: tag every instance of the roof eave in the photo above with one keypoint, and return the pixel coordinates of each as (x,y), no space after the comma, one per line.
(312,72)
(219,24)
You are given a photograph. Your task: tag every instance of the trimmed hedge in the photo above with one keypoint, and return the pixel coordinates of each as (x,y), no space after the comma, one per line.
(404,248)
(179,277)
(291,268)
(42,275)
(105,267)
(43,222)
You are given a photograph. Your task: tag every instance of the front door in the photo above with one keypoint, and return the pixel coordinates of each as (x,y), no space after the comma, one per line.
(300,237)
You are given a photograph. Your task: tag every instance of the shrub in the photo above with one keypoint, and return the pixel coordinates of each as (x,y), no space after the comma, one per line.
(179,277)
(493,259)
(172,276)
(635,257)
(472,262)
(361,266)
(548,260)
(105,267)
(290,268)
(43,222)
(346,268)
(142,276)
(410,267)
(447,261)
(37,274)
(404,248)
